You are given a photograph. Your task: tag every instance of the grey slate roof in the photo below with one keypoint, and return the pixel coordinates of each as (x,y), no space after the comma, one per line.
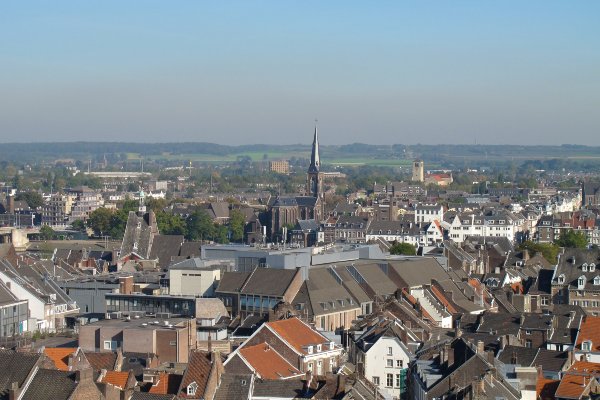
(419,271)
(141,236)
(232,281)
(165,248)
(571,266)
(51,385)
(288,388)
(325,294)
(15,367)
(268,281)
(234,386)
(151,396)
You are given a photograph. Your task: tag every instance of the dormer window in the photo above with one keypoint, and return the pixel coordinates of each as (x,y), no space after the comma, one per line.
(192,388)
(318,347)
(581,282)
(309,350)
(584,267)
(561,278)
(592,267)
(597,280)
(331,345)
(586,345)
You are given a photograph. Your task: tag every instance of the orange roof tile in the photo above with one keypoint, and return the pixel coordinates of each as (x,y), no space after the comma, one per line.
(115,378)
(167,384)
(589,330)
(60,356)
(268,363)
(441,297)
(297,333)
(576,379)
(546,388)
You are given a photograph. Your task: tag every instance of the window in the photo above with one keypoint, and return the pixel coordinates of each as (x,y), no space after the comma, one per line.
(110,345)
(544,300)
(389,352)
(318,347)
(191,389)
(376,380)
(310,350)
(399,363)
(528,343)
(561,278)
(398,380)
(586,345)
(390,363)
(389,381)
(528,331)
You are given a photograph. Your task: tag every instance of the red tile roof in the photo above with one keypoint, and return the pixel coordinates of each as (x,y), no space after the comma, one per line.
(297,334)
(198,370)
(589,329)
(60,356)
(576,379)
(167,384)
(267,362)
(441,297)
(546,388)
(115,378)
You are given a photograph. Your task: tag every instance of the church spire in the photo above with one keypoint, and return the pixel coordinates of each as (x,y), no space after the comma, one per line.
(315,159)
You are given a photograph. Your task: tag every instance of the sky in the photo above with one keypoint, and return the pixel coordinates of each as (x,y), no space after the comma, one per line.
(242,72)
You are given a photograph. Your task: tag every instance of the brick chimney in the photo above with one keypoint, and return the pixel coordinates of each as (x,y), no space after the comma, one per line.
(11,204)
(126,284)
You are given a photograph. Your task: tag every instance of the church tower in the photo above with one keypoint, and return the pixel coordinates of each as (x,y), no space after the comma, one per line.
(314,178)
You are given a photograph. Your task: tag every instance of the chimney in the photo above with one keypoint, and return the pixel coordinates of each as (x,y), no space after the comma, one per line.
(85,375)
(14,391)
(126,284)
(307,382)
(525,256)
(209,345)
(449,355)
(480,347)
(513,357)
(11,205)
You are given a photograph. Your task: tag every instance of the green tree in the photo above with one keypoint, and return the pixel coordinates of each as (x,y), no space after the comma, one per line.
(101,221)
(78,225)
(46,233)
(200,226)
(548,250)
(220,234)
(156,205)
(403,249)
(33,199)
(118,223)
(573,239)
(237,222)
(169,224)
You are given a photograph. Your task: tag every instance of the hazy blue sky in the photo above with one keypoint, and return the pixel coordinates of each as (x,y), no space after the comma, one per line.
(256,72)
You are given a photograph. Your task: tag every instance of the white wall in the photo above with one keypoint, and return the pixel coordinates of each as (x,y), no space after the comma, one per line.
(193,282)
(36,306)
(376,363)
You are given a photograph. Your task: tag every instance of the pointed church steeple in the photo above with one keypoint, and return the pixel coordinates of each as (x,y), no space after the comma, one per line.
(315,159)
(314,181)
